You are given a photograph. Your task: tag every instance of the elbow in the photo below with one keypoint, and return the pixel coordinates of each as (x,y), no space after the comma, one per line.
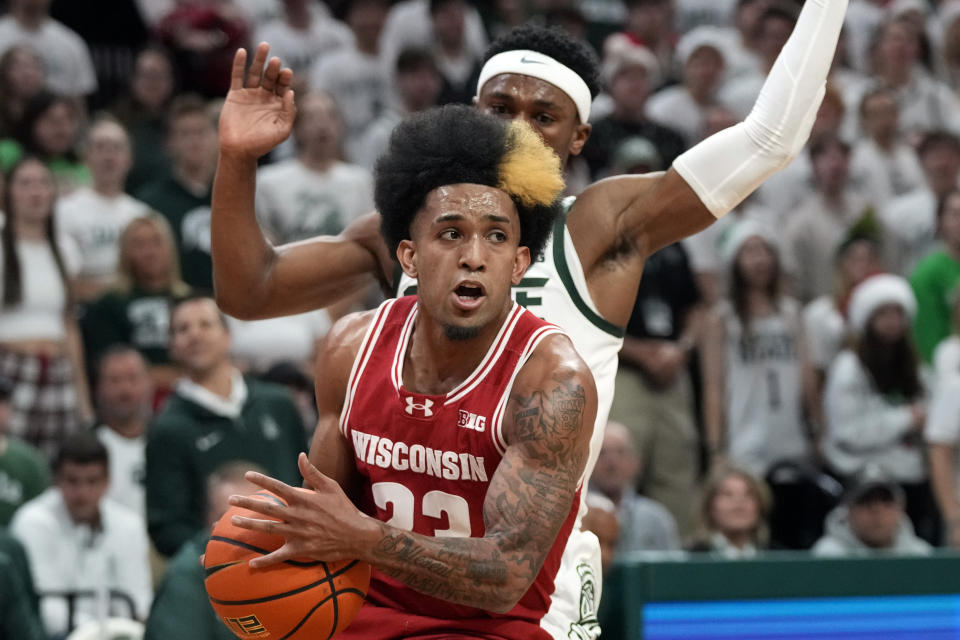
(235,304)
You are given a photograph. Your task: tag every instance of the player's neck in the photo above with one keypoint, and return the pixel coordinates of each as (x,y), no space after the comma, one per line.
(435,364)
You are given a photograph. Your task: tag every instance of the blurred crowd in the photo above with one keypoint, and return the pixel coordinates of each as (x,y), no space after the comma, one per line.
(790,377)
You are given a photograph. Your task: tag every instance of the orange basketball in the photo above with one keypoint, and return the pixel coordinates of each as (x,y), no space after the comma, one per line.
(294,600)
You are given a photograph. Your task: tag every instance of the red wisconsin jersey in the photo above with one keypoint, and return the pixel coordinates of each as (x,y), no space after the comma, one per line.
(428,460)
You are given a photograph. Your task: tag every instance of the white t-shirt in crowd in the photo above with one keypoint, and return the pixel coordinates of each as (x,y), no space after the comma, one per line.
(360,85)
(66,556)
(127,468)
(887,174)
(675,107)
(65,55)
(95,222)
(943,417)
(946,357)
(299,49)
(824,329)
(260,344)
(40,313)
(295,202)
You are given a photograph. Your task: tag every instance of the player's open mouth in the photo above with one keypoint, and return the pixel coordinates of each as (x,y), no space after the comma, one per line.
(468,295)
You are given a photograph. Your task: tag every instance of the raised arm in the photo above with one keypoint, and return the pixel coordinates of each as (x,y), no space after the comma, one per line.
(547,427)
(252,279)
(630,217)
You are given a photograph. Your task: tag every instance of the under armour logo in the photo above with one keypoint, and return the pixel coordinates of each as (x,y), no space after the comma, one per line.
(526,60)
(418,406)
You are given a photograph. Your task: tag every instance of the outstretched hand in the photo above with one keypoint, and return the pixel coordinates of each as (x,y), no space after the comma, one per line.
(258,112)
(319,523)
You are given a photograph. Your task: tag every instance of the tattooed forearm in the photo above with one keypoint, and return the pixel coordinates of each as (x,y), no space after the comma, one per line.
(467,571)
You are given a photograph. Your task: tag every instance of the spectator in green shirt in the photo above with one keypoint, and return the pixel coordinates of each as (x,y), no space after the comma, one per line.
(183,197)
(214,415)
(935,278)
(24,473)
(136,311)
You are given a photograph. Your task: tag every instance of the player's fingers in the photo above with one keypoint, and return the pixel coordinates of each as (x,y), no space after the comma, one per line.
(282,489)
(236,73)
(257,524)
(288,102)
(263,507)
(270,75)
(256,67)
(311,474)
(272,558)
(284,80)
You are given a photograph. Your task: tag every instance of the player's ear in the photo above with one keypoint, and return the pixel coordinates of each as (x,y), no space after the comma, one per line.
(521,261)
(406,253)
(580,135)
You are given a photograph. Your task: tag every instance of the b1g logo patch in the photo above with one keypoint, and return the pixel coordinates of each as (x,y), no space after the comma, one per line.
(245,626)
(472,421)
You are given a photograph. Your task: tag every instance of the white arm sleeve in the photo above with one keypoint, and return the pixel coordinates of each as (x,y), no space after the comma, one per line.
(726,167)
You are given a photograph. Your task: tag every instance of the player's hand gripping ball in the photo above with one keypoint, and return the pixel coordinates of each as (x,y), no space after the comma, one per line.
(293,600)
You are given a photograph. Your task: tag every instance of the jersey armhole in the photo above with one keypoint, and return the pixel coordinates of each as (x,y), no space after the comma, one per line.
(360,362)
(580,298)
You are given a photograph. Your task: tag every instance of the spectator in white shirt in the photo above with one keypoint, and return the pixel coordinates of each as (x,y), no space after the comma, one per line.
(124,401)
(94,216)
(889,165)
(66,57)
(302,36)
(685,106)
(943,439)
(314,193)
(357,77)
(874,400)
(81,544)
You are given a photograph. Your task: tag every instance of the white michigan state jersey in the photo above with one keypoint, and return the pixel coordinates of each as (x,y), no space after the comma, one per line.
(555,289)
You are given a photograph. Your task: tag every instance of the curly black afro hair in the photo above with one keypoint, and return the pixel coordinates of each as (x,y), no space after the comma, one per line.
(553,42)
(453,144)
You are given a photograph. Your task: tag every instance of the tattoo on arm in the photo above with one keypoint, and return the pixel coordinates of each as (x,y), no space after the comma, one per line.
(527,502)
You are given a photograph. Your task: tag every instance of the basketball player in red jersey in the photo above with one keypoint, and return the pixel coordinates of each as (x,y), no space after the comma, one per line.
(459,421)
(588,278)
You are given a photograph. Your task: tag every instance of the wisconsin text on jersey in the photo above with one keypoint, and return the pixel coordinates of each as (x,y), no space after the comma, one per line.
(387,454)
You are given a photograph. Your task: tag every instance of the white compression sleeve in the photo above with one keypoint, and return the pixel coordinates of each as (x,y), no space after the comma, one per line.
(726,167)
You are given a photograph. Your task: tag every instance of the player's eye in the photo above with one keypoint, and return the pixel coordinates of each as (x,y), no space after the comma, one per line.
(498,109)
(544,119)
(449,234)
(498,236)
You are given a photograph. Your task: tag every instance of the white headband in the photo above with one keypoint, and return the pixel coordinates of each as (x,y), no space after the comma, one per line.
(537,65)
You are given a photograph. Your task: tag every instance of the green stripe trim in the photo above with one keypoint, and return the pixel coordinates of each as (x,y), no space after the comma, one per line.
(563,269)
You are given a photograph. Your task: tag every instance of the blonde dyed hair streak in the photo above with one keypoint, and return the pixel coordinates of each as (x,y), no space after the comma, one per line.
(530,170)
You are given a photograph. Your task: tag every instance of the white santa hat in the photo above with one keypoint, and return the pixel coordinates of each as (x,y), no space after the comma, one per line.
(875,292)
(733,238)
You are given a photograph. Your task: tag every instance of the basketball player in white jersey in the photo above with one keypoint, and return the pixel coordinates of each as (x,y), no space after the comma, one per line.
(591,270)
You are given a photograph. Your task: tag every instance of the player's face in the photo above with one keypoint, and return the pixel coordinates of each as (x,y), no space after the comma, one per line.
(464,251)
(198,339)
(83,486)
(734,509)
(546,108)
